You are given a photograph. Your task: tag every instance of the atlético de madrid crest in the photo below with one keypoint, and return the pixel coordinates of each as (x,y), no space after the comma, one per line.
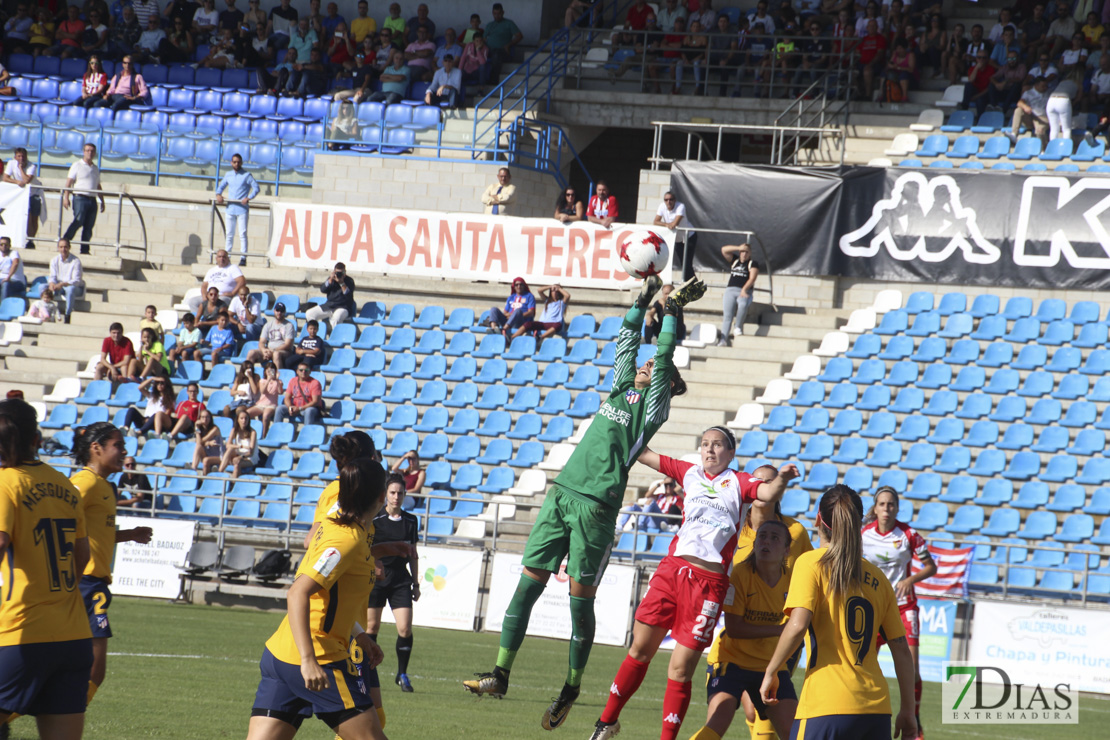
(632,396)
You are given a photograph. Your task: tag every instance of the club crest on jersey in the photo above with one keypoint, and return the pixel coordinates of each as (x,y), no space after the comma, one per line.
(633,396)
(896,543)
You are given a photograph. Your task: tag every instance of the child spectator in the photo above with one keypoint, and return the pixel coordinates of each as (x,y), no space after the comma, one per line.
(245,390)
(187,339)
(45,309)
(150,321)
(116,355)
(473,30)
(312,348)
(188,411)
(152,358)
(209,443)
(220,339)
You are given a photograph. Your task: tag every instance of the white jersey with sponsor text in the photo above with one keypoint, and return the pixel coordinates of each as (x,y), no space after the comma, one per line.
(893,552)
(713,512)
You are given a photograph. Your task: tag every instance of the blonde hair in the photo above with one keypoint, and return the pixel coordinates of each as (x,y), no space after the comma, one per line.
(841,515)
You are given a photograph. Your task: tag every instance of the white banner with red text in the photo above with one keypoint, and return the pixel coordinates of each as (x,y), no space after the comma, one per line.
(449,581)
(466,246)
(551,614)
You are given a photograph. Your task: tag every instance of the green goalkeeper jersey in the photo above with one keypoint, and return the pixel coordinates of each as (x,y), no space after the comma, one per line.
(626,421)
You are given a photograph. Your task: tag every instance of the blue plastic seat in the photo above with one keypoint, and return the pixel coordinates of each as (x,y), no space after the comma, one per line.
(913,428)
(1088,442)
(1003,523)
(869,372)
(1076,528)
(921,456)
(1058,333)
(586,404)
(864,347)
(931,349)
(818,447)
(941,403)
(809,393)
(526,399)
(1039,525)
(954,460)
(310,437)
(528,455)
(1062,468)
(926,486)
(837,369)
(852,451)
(752,444)
(782,418)
(496,424)
(880,425)
(931,516)
(908,401)
(925,324)
(1057,149)
(785,446)
(1026,148)
(813,421)
(886,454)
(961,489)
(901,374)
(967,519)
(1052,309)
(558,429)
(969,380)
(96,392)
(935,145)
(878,397)
(467,448)
(948,431)
(841,396)
(894,322)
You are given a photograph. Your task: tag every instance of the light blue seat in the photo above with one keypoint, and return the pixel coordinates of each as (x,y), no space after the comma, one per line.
(901,374)
(948,431)
(782,418)
(969,380)
(582,351)
(555,374)
(1057,333)
(908,401)
(496,424)
(1039,525)
(921,456)
(954,460)
(910,162)
(467,448)
(1026,149)
(431,342)
(785,446)
(818,447)
(431,367)
(961,489)
(959,121)
(431,393)
(809,393)
(1084,312)
(492,345)
(967,519)
(752,444)
(975,406)
(941,403)
(1088,442)
(983,433)
(1016,437)
(371,389)
(1031,495)
(1003,523)
(400,314)
(931,516)
(310,437)
(913,428)
(846,422)
(880,425)
(1071,387)
(1057,150)
(990,328)
(876,397)
(463,394)
(918,302)
(373,415)
(372,362)
(1076,528)
(935,145)
(371,337)
(841,396)
(925,487)
(528,455)
(852,451)
(524,399)
(1098,363)
(524,372)
(886,454)
(1044,411)
(403,390)
(869,372)
(493,371)
(1023,466)
(865,347)
(1064,360)
(558,429)
(925,324)
(96,392)
(1063,468)
(837,369)
(522,347)
(964,147)
(894,322)
(859,478)
(931,349)
(1096,471)
(497,396)
(433,420)
(586,404)
(813,421)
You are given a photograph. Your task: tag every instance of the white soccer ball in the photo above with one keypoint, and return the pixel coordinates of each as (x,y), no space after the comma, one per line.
(643,253)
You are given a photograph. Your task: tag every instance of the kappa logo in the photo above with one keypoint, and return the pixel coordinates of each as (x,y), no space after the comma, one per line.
(673,718)
(1060,213)
(614,689)
(931,210)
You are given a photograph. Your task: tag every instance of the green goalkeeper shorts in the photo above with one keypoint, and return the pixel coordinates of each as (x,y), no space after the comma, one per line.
(571,527)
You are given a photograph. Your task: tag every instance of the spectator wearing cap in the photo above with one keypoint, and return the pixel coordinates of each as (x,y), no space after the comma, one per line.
(501,35)
(498,196)
(303,398)
(225,277)
(340,303)
(520,308)
(276,341)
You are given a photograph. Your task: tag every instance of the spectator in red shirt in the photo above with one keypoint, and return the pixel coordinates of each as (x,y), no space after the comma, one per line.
(68,34)
(302,398)
(187,411)
(116,353)
(979,81)
(872,57)
(637,15)
(602,209)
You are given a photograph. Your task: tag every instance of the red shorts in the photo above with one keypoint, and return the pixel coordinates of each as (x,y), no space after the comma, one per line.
(910,621)
(686,599)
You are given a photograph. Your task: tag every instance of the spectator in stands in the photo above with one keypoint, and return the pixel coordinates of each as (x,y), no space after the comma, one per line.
(602,209)
(220,339)
(340,303)
(246,315)
(363,25)
(520,308)
(134,483)
(255,17)
(692,52)
(420,55)
(498,197)
(743,271)
(116,355)
(17,31)
(1094,57)
(278,80)
(188,411)
(151,359)
(471,30)
(42,33)
(637,15)
(723,54)
(260,52)
(179,46)
(475,63)
(1034,28)
(209,443)
(68,35)
(269,393)
(183,9)
(653,318)
(901,69)
(872,58)
(283,19)
(1100,100)
(394,79)
(1092,30)
(344,127)
(208,313)
(94,84)
(12,282)
(158,415)
(670,212)
(232,19)
(223,276)
(302,398)
(315,17)
(421,19)
(45,309)
(396,24)
(568,207)
(446,84)
(975,91)
(1073,61)
(1044,68)
(18,171)
(759,16)
(1060,30)
(1006,84)
(1005,46)
(502,35)
(312,349)
(241,190)
(450,47)
(222,51)
(341,49)
(332,20)
(411,469)
(67,276)
(150,42)
(124,34)
(672,11)
(952,60)
(150,321)
(241,448)
(276,341)
(188,339)
(126,89)
(815,57)
(550,322)
(933,44)
(244,388)
(303,39)
(94,39)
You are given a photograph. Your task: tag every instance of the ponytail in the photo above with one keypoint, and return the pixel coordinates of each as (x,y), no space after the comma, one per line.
(361,490)
(346,447)
(839,519)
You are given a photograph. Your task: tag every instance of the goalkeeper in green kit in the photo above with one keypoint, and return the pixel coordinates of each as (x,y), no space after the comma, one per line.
(579,513)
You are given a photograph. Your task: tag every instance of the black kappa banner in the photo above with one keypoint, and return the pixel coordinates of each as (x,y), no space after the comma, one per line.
(921,225)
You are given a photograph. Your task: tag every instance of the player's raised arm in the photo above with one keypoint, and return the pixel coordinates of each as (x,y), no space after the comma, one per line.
(773,489)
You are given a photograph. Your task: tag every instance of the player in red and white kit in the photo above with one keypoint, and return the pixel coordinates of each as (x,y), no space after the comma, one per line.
(685,594)
(890,545)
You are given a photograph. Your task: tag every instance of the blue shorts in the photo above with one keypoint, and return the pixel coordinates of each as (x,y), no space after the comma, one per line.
(97,600)
(842,727)
(368,673)
(734,680)
(45,677)
(282,693)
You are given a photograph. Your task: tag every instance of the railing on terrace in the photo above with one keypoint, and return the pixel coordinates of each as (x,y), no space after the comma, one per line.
(697,148)
(219,513)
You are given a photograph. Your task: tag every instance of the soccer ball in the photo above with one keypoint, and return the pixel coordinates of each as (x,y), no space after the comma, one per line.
(643,253)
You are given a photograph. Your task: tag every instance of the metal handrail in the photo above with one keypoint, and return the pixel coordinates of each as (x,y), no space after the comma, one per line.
(777,132)
(117,195)
(770,289)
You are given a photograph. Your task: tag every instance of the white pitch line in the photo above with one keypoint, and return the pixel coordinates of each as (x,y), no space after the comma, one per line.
(180,657)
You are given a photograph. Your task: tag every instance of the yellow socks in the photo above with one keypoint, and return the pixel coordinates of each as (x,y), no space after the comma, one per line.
(705,734)
(92,692)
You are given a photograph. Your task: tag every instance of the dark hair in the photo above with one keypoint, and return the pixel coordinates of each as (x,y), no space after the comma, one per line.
(313,322)
(223,314)
(346,447)
(562,197)
(114,326)
(841,512)
(361,488)
(189,317)
(168,395)
(752,557)
(153,334)
(84,438)
(395,478)
(19,432)
(678,385)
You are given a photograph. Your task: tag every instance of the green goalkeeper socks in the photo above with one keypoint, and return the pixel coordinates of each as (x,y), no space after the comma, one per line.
(581,637)
(528,591)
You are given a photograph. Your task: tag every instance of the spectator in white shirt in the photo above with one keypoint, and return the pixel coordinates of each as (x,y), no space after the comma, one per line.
(67,275)
(224,276)
(446,84)
(246,315)
(12,281)
(19,171)
(84,182)
(670,212)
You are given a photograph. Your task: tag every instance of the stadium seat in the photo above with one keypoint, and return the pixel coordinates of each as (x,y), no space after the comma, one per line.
(931,349)
(924,324)
(967,519)
(310,437)
(521,348)
(492,346)
(941,403)
(818,447)
(558,429)
(582,351)
(1039,525)
(963,352)
(894,322)
(865,347)
(1088,442)
(813,420)
(841,396)
(983,433)
(585,405)
(525,399)
(431,367)
(886,454)
(752,444)
(1064,360)
(920,456)
(880,425)
(837,369)
(782,418)
(961,489)
(931,516)
(897,348)
(913,428)
(785,446)
(1003,523)
(902,374)
(1045,411)
(969,380)
(528,455)
(852,451)
(555,374)
(908,400)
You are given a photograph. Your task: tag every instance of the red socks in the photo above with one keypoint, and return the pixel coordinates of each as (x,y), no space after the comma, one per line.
(675,703)
(629,678)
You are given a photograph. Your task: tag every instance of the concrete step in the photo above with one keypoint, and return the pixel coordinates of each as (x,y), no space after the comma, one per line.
(42,369)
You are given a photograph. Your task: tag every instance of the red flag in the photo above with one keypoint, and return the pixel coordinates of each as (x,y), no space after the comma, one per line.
(953,567)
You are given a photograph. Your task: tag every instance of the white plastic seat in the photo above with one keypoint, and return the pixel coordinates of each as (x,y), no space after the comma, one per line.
(805,367)
(702,336)
(929,120)
(471,529)
(595,58)
(903,145)
(12,333)
(501,508)
(136,338)
(168,318)
(580,432)
(887,300)
(530,483)
(880,162)
(681,358)
(190,295)
(833,344)
(89,373)
(40,409)
(691,457)
(748,416)
(777,391)
(65,390)
(557,458)
(861,320)
(953,96)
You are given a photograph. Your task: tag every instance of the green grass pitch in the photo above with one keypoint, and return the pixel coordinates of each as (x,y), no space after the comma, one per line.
(190,672)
